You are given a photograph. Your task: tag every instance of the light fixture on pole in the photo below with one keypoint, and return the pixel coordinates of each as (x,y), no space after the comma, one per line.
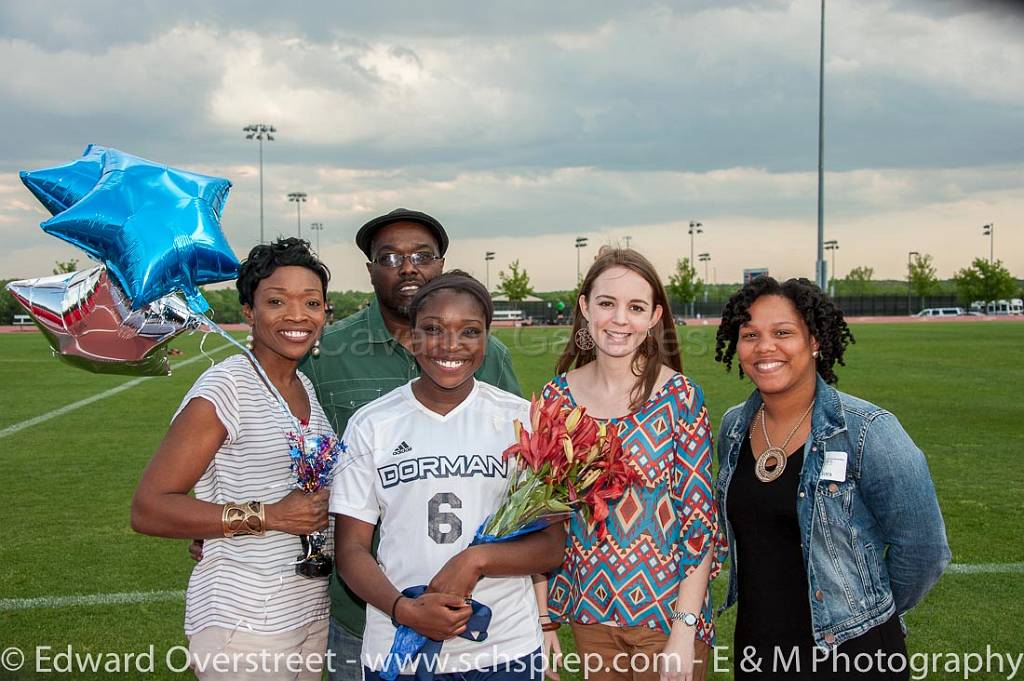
(488,257)
(628,239)
(989,230)
(832,245)
(581,242)
(910,254)
(705,258)
(695,228)
(298,198)
(260,132)
(317,227)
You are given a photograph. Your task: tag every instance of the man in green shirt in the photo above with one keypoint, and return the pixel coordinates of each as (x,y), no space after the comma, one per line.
(366,355)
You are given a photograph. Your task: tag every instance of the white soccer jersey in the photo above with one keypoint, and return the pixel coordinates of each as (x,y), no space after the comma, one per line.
(431,480)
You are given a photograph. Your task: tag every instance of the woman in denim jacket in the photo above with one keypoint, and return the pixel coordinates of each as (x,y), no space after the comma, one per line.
(830,508)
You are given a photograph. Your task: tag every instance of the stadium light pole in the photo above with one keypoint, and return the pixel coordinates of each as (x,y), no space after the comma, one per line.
(488,257)
(989,230)
(628,239)
(260,132)
(705,258)
(832,245)
(581,242)
(298,198)
(910,255)
(695,228)
(820,264)
(317,227)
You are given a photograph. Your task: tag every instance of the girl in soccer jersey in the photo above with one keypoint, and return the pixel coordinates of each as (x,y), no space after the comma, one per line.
(427,465)
(638,595)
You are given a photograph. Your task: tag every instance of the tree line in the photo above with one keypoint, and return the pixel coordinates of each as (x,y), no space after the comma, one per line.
(981,281)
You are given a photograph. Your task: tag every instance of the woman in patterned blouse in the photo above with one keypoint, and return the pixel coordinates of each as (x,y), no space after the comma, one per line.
(638,596)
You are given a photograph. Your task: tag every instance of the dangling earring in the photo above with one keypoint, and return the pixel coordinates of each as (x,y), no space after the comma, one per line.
(584,341)
(814,354)
(316,348)
(248,342)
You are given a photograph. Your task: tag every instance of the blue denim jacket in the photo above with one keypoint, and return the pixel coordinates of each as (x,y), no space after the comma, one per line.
(874,543)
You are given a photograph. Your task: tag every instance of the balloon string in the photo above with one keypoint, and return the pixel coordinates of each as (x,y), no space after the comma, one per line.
(202,347)
(259,372)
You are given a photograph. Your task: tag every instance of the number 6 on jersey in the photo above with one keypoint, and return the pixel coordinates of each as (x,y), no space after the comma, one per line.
(444,527)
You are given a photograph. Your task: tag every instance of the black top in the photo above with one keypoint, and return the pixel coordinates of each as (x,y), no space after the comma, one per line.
(774,609)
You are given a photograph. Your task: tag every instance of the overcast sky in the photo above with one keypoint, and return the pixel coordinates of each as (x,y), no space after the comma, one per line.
(522,125)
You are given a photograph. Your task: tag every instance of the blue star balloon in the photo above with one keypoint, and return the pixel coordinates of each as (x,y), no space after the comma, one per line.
(61,187)
(156,228)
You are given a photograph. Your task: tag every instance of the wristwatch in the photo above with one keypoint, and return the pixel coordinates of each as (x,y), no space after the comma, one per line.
(687,618)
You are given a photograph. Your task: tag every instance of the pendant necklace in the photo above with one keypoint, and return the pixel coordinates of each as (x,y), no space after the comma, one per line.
(778,454)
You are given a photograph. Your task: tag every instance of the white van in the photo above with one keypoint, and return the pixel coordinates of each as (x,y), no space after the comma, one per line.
(509,316)
(998,308)
(941,312)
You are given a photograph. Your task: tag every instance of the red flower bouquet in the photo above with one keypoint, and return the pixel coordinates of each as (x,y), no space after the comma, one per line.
(566,462)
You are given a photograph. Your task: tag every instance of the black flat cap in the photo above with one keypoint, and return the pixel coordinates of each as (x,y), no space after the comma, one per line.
(364,237)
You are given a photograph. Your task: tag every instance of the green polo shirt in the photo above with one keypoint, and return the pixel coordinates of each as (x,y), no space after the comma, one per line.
(360,361)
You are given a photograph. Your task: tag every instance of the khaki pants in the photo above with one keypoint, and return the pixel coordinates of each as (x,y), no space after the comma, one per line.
(220,654)
(628,653)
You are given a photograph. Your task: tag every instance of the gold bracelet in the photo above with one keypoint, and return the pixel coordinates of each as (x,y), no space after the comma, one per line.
(242,519)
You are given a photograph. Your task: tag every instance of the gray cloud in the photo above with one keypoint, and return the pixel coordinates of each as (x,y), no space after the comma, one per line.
(526,118)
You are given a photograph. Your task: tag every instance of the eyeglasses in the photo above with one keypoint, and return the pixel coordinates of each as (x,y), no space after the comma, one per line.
(418,259)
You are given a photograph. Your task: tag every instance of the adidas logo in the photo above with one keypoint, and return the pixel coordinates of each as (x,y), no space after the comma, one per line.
(403,448)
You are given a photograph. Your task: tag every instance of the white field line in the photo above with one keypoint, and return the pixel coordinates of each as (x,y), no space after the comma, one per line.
(152,596)
(60,411)
(985,568)
(91,599)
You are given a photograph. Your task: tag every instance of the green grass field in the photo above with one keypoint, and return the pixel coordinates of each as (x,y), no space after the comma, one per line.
(68,481)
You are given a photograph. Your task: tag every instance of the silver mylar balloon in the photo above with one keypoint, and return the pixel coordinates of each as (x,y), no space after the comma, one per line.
(89,322)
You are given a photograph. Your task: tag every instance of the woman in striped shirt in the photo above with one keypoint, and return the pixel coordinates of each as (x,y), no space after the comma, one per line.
(245,604)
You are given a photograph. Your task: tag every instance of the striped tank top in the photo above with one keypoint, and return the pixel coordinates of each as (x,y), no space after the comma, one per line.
(250,582)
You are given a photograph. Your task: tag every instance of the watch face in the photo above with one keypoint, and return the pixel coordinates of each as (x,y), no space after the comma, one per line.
(689,619)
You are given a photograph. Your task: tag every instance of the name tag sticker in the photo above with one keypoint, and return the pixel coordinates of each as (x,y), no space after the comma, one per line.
(835,466)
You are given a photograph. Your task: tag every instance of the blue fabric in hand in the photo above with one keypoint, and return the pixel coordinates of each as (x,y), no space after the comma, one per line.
(409,643)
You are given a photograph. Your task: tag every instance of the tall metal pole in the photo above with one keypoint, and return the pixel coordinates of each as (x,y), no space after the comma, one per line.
(261,187)
(832,245)
(820,264)
(705,258)
(317,227)
(989,230)
(581,242)
(298,198)
(627,238)
(488,257)
(834,249)
(910,254)
(695,227)
(259,132)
